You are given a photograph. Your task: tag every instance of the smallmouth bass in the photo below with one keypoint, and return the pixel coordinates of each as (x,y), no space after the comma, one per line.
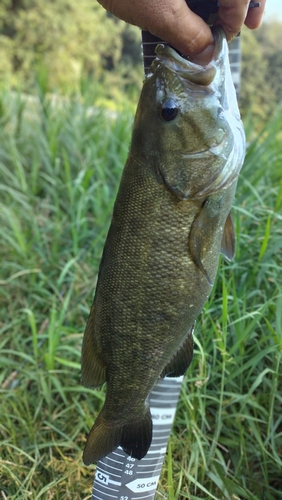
(171,220)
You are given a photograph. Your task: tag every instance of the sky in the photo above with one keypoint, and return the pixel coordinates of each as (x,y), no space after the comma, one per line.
(273,9)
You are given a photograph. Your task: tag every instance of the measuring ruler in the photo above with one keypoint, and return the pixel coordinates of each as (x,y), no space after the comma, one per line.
(121,477)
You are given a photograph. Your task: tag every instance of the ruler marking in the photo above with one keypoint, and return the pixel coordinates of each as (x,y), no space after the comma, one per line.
(106,472)
(144,496)
(155,402)
(105,493)
(116,461)
(162,430)
(159,445)
(107,465)
(107,487)
(156,471)
(149,466)
(117,453)
(167,393)
(157,438)
(151,460)
(175,386)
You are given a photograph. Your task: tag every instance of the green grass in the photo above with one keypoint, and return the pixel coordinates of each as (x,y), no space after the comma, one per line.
(59,170)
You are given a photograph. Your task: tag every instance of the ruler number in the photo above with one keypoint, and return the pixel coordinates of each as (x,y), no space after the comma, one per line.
(123,498)
(129,472)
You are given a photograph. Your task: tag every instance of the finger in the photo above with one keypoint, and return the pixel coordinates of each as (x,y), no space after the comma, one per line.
(205,56)
(255,16)
(181,28)
(232,15)
(172,21)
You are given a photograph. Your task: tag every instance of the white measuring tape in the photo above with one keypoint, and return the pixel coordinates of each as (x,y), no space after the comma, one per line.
(121,477)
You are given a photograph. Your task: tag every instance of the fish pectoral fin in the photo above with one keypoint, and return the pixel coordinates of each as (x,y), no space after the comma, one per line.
(181,360)
(228,238)
(201,233)
(93,369)
(134,437)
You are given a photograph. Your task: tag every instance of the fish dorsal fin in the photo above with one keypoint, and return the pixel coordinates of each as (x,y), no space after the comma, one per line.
(93,369)
(181,360)
(228,238)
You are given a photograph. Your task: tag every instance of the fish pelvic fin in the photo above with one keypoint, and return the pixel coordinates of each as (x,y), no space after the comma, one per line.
(93,369)
(228,239)
(181,360)
(134,437)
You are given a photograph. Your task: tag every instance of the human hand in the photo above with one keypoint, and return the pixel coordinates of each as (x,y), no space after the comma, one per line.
(233,14)
(174,22)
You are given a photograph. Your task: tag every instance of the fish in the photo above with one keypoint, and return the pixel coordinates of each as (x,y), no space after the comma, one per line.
(171,220)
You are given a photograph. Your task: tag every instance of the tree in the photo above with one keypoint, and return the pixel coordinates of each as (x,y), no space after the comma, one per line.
(257,96)
(269,40)
(67,37)
(275,70)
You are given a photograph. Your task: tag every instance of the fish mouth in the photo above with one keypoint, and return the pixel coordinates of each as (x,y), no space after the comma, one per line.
(188,70)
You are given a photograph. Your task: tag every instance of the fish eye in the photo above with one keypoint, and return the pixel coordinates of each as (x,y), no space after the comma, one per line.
(169,110)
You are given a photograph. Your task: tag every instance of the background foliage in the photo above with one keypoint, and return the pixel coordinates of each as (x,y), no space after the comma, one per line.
(261,88)
(60,164)
(70,42)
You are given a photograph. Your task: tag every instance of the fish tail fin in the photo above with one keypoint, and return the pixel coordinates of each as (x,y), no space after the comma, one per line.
(102,440)
(137,436)
(134,437)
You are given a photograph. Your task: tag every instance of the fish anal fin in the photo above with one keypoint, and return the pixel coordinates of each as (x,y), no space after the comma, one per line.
(181,360)
(93,369)
(134,437)
(228,238)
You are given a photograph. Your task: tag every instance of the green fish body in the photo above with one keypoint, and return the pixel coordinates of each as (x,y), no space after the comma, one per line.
(170,222)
